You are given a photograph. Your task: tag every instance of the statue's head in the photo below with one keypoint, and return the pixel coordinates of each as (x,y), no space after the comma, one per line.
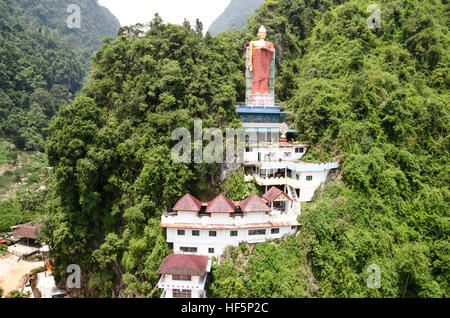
(262,32)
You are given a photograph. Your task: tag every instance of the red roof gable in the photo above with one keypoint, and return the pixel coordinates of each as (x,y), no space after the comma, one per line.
(181,264)
(188,203)
(220,204)
(274,194)
(254,204)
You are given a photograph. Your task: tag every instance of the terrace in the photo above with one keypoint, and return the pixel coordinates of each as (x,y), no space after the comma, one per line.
(276,216)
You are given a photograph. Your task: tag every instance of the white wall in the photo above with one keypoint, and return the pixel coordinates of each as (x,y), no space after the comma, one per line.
(220,218)
(255,217)
(307,188)
(317,177)
(283,153)
(221,241)
(187,216)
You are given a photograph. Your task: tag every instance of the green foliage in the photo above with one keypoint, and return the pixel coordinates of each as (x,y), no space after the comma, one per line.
(24,207)
(43,62)
(18,294)
(11,215)
(235,187)
(4,153)
(36,270)
(267,270)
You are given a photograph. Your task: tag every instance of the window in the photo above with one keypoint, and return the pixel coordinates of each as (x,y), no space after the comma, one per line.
(180,232)
(233,233)
(188,249)
(186,278)
(275,231)
(212,233)
(210,250)
(181,293)
(309,178)
(256,232)
(297,176)
(299,150)
(195,233)
(293,227)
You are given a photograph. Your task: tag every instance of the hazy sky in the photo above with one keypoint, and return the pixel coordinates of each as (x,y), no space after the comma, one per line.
(173,11)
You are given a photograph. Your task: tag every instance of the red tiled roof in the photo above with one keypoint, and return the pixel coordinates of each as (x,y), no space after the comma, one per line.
(180,264)
(273,194)
(188,203)
(254,204)
(220,204)
(27,230)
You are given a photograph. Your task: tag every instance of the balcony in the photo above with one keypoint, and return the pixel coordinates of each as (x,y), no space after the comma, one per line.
(235,221)
(269,181)
(165,283)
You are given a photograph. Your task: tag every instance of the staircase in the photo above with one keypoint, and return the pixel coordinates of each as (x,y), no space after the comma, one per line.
(296,206)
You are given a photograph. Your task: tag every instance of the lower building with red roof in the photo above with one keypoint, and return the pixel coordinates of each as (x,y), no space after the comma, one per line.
(207,228)
(184,276)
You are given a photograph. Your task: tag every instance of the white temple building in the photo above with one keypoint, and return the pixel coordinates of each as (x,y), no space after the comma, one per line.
(207,228)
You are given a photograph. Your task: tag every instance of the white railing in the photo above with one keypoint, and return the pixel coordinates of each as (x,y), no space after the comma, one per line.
(274,216)
(268,181)
(165,283)
(297,184)
(244,104)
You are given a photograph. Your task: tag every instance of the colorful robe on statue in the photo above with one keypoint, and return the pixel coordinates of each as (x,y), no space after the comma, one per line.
(261,68)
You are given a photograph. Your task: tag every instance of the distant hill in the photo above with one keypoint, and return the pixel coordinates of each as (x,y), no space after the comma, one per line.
(97,21)
(43,62)
(234,16)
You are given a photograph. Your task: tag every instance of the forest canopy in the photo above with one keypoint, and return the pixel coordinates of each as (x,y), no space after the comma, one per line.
(43,62)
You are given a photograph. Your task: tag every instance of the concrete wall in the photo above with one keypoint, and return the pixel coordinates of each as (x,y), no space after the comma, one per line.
(220,241)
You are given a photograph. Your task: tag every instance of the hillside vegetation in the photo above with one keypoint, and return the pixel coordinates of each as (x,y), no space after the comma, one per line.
(23,176)
(235,16)
(374,99)
(43,62)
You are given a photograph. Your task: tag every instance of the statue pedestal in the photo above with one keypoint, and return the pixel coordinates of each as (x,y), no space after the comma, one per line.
(261,100)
